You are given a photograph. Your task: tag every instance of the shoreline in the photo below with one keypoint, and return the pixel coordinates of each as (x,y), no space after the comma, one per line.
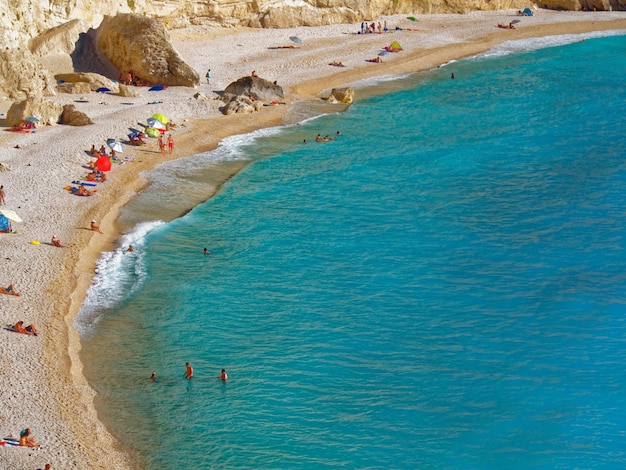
(65,419)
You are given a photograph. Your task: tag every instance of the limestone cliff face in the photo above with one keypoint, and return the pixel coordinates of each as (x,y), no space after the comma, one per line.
(22,20)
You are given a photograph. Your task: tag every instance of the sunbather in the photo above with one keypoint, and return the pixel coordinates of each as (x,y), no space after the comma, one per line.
(26,440)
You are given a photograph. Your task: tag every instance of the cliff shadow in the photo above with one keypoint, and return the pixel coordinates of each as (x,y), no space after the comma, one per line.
(86,57)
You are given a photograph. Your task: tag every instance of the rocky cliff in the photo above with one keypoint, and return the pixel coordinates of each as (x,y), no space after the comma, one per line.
(22,20)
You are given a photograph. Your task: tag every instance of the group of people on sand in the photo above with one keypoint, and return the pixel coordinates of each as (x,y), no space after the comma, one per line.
(129,78)
(372,28)
(166,146)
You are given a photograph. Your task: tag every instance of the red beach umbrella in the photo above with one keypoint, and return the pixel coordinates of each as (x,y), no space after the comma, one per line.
(103,163)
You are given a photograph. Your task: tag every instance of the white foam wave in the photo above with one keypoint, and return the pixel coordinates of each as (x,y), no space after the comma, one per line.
(532,44)
(118,275)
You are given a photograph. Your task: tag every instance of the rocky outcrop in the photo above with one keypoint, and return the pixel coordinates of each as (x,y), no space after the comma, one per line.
(46,111)
(78,88)
(341,95)
(141,45)
(54,48)
(21,76)
(72,117)
(93,80)
(241,104)
(257,87)
(26,19)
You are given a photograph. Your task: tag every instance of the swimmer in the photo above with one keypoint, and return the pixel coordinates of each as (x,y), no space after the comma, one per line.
(206,251)
(130,248)
(188,371)
(153,377)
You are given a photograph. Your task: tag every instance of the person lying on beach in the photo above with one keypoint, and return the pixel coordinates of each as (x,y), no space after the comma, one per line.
(27,330)
(82,191)
(26,440)
(504,26)
(10,290)
(377,60)
(55,241)
(337,64)
(95,227)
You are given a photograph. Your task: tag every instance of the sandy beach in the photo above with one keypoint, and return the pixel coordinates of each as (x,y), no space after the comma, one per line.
(41,381)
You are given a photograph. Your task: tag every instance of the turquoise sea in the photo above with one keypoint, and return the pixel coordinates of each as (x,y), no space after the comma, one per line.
(442,286)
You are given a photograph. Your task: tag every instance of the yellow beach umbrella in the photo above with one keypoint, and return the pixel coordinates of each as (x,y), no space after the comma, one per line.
(161,118)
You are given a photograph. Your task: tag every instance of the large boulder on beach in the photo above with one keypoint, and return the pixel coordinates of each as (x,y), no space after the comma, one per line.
(78,88)
(341,95)
(48,112)
(22,76)
(142,45)
(94,80)
(241,105)
(73,117)
(257,87)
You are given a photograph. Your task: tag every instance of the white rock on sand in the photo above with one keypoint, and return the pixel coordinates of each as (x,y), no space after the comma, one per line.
(41,381)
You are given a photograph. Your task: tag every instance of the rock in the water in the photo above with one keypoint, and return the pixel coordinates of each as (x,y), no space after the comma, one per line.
(72,117)
(341,95)
(140,44)
(257,87)
(46,111)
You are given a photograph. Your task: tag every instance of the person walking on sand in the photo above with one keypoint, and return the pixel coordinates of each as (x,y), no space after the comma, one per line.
(170,143)
(208,77)
(2,194)
(161,144)
(95,227)
(188,371)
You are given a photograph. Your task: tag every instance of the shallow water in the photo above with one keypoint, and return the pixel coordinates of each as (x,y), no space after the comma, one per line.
(442,286)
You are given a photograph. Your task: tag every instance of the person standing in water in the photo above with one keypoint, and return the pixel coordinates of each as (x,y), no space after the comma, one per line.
(223,376)
(188,371)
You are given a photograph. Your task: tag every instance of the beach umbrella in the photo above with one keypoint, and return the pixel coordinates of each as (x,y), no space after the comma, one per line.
(32,119)
(153,122)
(115,145)
(152,132)
(102,90)
(11,215)
(103,163)
(296,39)
(162,118)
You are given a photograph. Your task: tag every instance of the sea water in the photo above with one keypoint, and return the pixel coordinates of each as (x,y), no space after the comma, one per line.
(442,285)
